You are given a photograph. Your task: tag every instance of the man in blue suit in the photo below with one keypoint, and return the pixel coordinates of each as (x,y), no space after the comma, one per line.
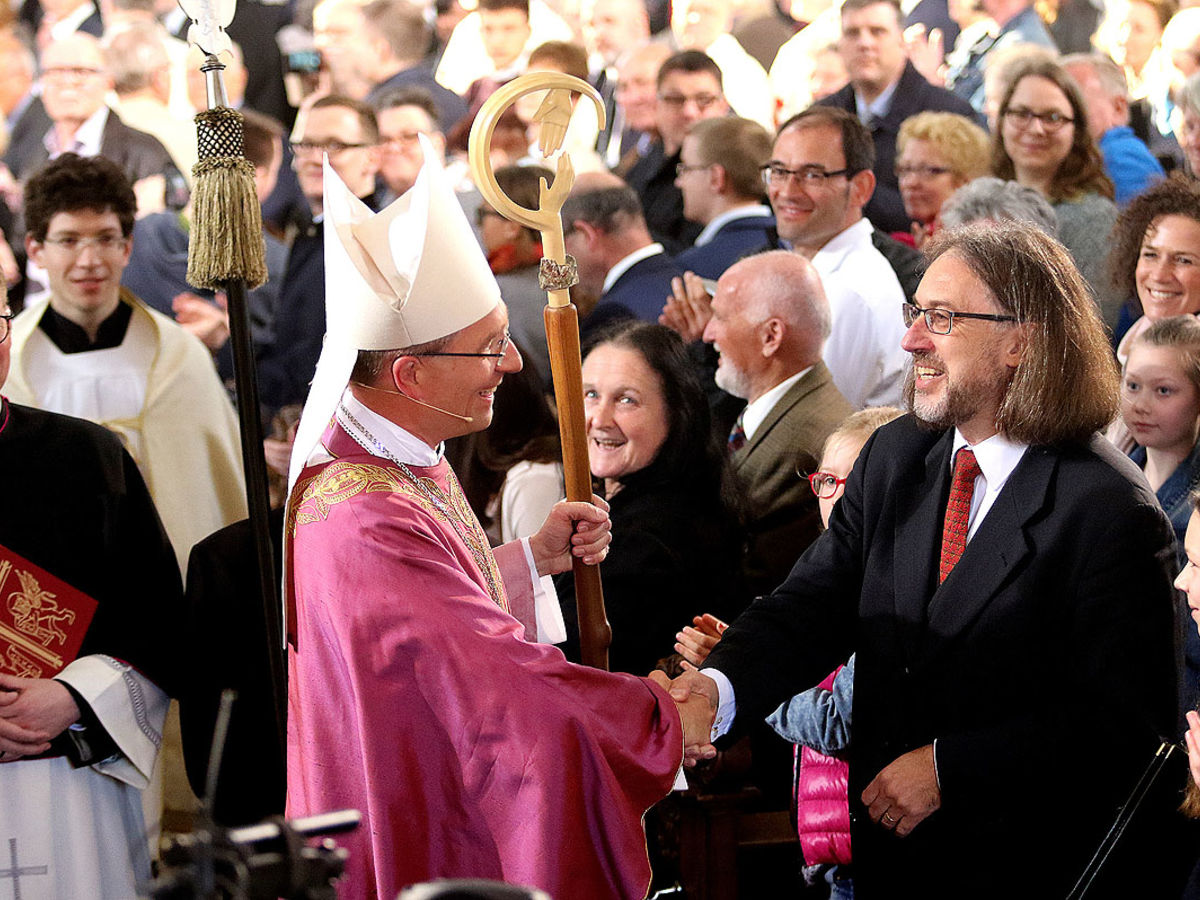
(720,176)
(619,263)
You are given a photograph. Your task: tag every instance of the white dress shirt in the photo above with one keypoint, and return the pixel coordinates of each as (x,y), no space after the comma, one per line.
(863,351)
(624,265)
(757,410)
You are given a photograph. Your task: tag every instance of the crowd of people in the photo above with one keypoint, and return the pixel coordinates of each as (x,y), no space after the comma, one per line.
(891,385)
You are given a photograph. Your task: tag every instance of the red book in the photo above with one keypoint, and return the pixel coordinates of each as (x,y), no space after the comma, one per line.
(42,619)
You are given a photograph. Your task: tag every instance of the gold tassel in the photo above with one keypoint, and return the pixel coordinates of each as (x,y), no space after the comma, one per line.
(226,234)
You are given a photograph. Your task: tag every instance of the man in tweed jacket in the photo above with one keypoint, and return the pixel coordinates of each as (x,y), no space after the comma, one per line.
(769,323)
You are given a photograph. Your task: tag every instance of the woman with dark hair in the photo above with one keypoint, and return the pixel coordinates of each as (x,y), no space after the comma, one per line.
(676,537)
(1043,142)
(511,472)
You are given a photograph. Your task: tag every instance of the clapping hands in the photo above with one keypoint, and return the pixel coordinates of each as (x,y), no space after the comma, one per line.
(689,308)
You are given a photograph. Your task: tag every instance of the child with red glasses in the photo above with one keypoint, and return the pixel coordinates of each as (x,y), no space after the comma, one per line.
(817,721)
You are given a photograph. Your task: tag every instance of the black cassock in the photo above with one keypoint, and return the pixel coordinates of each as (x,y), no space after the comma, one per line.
(73,502)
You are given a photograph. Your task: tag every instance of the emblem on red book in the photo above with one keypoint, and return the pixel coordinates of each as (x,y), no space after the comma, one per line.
(42,621)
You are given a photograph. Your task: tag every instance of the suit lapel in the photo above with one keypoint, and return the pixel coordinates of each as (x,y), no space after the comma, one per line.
(816,377)
(997,548)
(903,99)
(920,507)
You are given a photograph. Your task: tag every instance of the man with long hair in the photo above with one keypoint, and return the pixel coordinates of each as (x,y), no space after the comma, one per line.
(1004,575)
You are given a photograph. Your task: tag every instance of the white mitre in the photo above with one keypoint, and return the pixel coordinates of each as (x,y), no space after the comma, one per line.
(407,275)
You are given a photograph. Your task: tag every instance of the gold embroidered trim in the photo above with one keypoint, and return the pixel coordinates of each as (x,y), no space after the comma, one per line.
(342,480)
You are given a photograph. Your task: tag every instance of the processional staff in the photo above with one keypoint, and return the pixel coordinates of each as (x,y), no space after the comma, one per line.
(558,273)
(226,253)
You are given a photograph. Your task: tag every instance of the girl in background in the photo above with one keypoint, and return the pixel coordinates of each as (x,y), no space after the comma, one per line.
(1160,406)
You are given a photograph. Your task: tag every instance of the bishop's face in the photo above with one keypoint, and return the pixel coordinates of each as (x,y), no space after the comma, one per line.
(465,386)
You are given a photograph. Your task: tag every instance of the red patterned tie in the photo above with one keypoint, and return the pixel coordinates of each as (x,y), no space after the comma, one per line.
(958,511)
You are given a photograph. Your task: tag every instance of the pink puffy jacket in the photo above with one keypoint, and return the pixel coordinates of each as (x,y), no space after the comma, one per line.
(822,807)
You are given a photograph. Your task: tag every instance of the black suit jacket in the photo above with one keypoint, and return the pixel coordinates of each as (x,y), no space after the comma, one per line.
(25,141)
(653,177)
(1043,667)
(287,365)
(137,153)
(913,95)
(222,589)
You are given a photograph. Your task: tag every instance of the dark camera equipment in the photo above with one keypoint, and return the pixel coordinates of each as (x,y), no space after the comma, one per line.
(268,860)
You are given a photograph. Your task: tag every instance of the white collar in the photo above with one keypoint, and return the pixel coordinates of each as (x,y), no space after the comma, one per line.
(757,410)
(624,265)
(379,436)
(997,457)
(88,136)
(877,108)
(730,215)
(855,238)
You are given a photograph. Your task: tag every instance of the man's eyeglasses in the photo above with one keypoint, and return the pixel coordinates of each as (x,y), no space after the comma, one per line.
(75,243)
(825,484)
(678,101)
(684,168)
(333,148)
(1023,117)
(70,73)
(5,327)
(402,140)
(498,354)
(775,175)
(922,171)
(941,321)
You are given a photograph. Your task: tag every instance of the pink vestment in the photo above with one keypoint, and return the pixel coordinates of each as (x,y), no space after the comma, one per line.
(415,698)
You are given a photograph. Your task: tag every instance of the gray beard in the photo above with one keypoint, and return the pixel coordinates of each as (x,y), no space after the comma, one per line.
(732,382)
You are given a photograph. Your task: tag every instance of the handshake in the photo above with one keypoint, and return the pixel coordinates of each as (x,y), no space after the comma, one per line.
(694,693)
(695,696)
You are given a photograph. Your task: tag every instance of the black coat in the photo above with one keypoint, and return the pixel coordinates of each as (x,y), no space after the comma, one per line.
(1043,667)
(653,177)
(223,587)
(76,505)
(137,153)
(674,555)
(913,95)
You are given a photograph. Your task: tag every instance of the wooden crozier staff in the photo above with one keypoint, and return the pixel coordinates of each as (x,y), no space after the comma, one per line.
(558,273)
(226,253)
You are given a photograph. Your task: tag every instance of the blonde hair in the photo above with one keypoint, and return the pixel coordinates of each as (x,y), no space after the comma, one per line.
(1178,333)
(964,144)
(860,426)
